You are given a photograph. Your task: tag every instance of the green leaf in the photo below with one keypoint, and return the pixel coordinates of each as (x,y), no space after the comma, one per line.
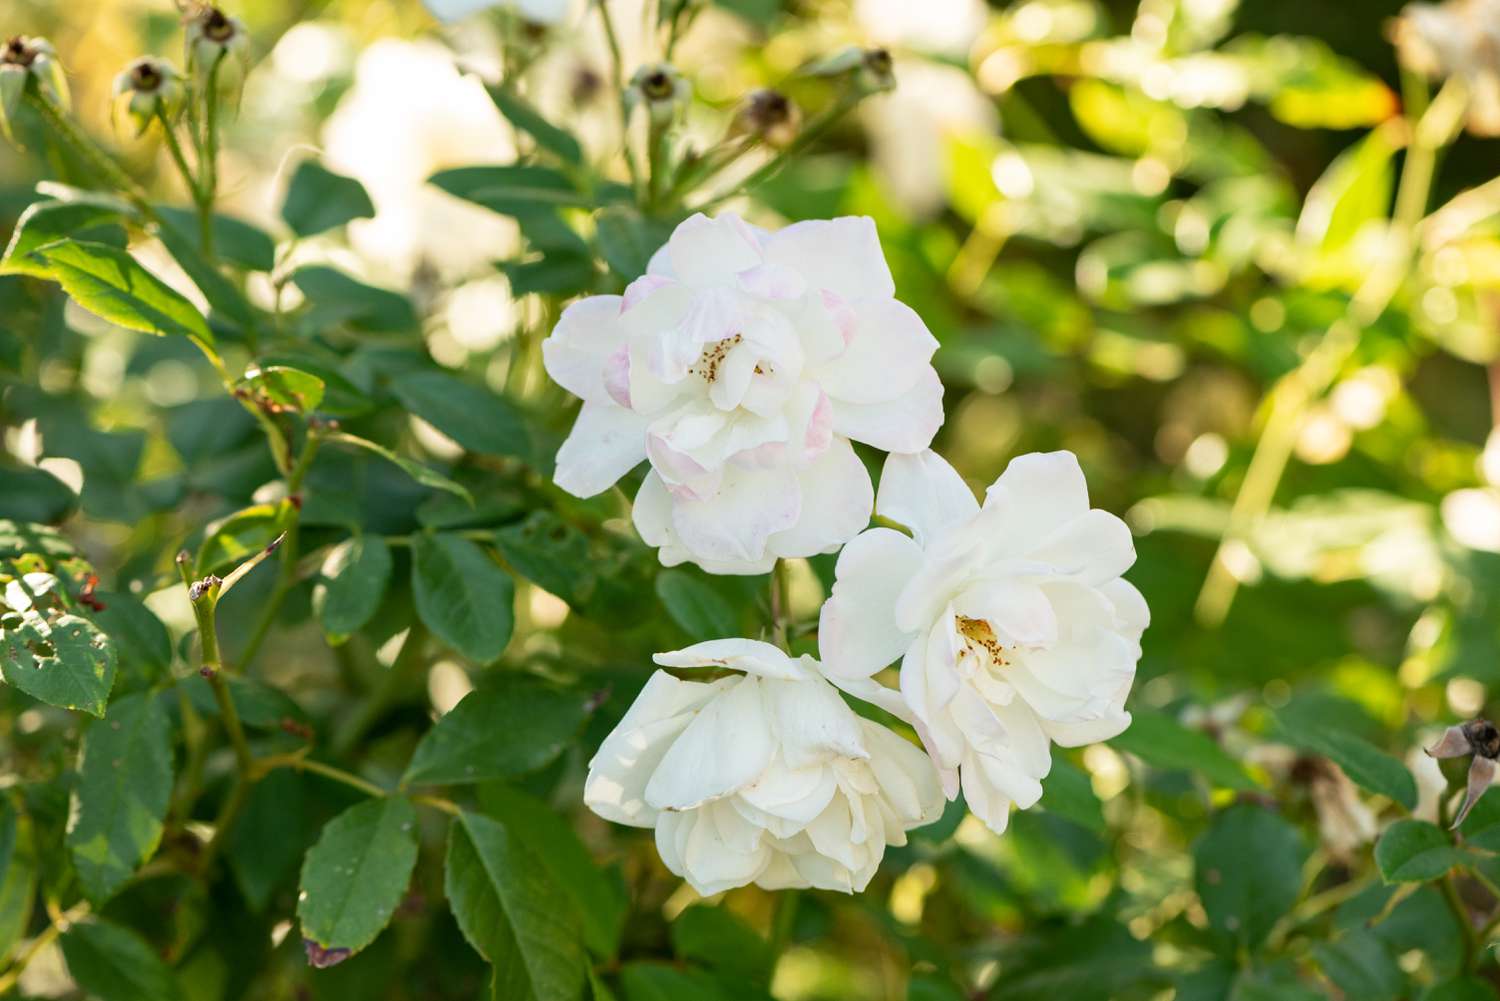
(354,579)
(627,240)
(477,418)
(516,726)
(506,907)
(338,300)
(1160,740)
(1248,872)
(259,705)
(1069,792)
(281,387)
(554,273)
(47,222)
(33,494)
(550,553)
(526,118)
(462,595)
(658,982)
(222,294)
(1354,191)
(1362,966)
(598,898)
(932,987)
(65,662)
(234,539)
(18,874)
(115,964)
(110,283)
(722,942)
(1365,764)
(317,199)
(143,647)
(356,875)
(694,604)
(235,241)
(422,474)
(1460,989)
(1481,828)
(1414,851)
(270,836)
(509,190)
(124,783)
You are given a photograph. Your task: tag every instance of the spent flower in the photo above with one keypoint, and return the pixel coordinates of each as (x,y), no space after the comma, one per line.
(741,365)
(768,116)
(1480,739)
(1458,39)
(29,62)
(763,776)
(661,90)
(1014,627)
(147,88)
(218,46)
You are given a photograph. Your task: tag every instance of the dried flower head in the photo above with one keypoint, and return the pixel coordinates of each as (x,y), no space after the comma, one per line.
(769,116)
(871,70)
(661,90)
(29,62)
(212,38)
(1477,737)
(147,88)
(1458,39)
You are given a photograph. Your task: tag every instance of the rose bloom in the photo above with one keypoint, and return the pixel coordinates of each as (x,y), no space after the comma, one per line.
(741,365)
(1011,620)
(763,777)
(1457,38)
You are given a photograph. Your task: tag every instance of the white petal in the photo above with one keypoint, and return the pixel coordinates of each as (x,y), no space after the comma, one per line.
(733,525)
(925,494)
(455,10)
(889,350)
(842,255)
(704,844)
(904,424)
(550,12)
(908,780)
(607,441)
(1095,548)
(708,251)
(793,795)
(812,724)
(586,335)
(749,656)
(1037,494)
(837,498)
(616,784)
(726,746)
(1020,612)
(1132,615)
(857,633)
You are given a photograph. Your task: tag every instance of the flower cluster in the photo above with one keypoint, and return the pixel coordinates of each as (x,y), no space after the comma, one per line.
(740,368)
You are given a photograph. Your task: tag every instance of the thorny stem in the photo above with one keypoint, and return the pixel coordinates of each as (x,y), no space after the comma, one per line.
(97,160)
(810,134)
(169,137)
(1461,914)
(208,161)
(784,922)
(286,574)
(780,610)
(617,64)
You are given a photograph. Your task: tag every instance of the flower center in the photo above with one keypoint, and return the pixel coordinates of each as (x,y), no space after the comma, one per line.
(977,633)
(712,357)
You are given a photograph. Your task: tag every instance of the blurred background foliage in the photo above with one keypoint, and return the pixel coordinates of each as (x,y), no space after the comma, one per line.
(1125,223)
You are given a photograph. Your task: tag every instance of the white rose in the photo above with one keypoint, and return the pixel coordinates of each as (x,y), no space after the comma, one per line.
(765,777)
(741,365)
(1014,627)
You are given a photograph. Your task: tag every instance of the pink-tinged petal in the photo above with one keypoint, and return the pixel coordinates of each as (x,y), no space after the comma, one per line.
(617,376)
(890,349)
(735,523)
(842,255)
(857,633)
(924,493)
(750,656)
(727,744)
(905,424)
(819,434)
(772,281)
(706,252)
(641,289)
(606,443)
(576,352)
(837,499)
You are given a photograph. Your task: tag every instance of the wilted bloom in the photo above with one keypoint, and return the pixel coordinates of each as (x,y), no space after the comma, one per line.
(767,115)
(741,364)
(763,777)
(150,87)
(661,90)
(543,12)
(1459,39)
(29,60)
(870,70)
(216,40)
(1480,738)
(1014,626)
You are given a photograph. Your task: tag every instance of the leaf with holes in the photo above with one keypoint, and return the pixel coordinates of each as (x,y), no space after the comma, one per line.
(66,662)
(355,876)
(124,783)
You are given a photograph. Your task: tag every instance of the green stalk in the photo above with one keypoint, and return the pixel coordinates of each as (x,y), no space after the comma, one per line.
(810,134)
